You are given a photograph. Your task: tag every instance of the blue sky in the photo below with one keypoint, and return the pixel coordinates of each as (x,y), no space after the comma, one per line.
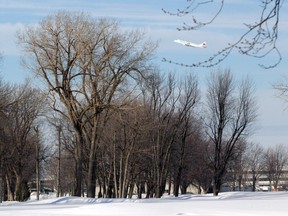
(272,124)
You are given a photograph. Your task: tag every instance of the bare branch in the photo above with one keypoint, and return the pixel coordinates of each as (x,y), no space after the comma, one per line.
(259,40)
(188,10)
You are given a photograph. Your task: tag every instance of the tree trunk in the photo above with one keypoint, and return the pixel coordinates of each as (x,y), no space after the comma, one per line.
(149,191)
(183,189)
(37,171)
(177,181)
(240,182)
(158,190)
(217,184)
(139,190)
(91,187)
(131,190)
(37,164)
(116,181)
(126,175)
(254,183)
(1,175)
(59,163)
(10,192)
(199,189)
(91,184)
(18,187)
(78,165)
(169,185)
(22,192)
(1,187)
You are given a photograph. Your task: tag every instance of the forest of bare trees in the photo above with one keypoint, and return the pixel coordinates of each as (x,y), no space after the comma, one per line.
(118,126)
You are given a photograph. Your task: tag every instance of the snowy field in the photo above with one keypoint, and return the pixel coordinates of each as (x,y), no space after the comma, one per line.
(226,204)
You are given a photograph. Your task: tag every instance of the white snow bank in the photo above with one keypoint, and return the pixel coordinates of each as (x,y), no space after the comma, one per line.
(226,204)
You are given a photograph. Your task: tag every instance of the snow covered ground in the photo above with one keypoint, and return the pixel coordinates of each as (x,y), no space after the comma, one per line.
(226,204)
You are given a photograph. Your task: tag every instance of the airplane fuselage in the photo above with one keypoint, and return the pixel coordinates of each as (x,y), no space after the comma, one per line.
(190,44)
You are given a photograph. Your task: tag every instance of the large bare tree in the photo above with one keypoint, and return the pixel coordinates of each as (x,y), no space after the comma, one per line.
(86,64)
(229,117)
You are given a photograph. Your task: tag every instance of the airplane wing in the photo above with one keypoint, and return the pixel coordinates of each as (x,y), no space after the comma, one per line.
(190,44)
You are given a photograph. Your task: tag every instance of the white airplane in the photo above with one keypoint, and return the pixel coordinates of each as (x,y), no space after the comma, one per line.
(190,44)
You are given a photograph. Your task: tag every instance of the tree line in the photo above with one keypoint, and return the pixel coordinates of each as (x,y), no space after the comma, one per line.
(20,108)
(119,123)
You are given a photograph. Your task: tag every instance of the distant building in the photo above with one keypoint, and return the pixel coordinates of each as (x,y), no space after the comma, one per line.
(46,186)
(264,182)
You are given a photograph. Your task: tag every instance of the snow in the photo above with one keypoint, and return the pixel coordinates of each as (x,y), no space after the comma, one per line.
(226,204)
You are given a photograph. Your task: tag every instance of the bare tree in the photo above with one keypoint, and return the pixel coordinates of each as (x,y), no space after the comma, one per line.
(22,115)
(123,143)
(275,160)
(169,105)
(236,166)
(20,107)
(259,40)
(254,157)
(5,101)
(61,165)
(158,97)
(187,128)
(201,172)
(86,64)
(37,164)
(230,114)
